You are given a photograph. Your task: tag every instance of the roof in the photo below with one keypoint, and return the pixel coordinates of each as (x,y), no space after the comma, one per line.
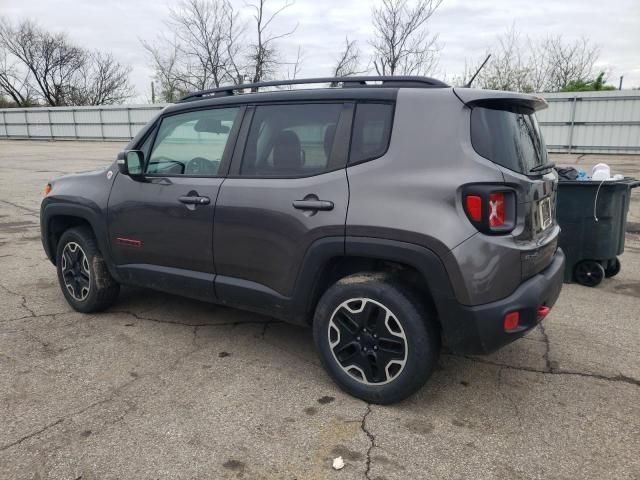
(335,82)
(314,95)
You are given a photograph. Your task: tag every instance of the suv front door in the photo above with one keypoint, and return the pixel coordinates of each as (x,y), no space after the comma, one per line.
(161,226)
(286,189)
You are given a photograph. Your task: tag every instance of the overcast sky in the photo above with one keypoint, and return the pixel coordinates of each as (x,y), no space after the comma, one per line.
(465,29)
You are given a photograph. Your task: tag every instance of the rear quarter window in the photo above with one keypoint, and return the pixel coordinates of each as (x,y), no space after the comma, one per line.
(371,131)
(510,138)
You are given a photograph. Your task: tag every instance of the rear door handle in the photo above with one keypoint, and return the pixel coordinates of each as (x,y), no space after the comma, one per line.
(313,205)
(193,200)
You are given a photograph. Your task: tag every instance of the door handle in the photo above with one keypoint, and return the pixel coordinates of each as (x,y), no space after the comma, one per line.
(313,205)
(194,200)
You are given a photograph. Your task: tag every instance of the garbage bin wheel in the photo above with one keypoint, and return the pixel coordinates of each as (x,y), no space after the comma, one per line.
(612,269)
(588,273)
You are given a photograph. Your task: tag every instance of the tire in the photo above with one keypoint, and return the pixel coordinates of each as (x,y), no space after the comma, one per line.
(375,338)
(612,268)
(84,278)
(588,273)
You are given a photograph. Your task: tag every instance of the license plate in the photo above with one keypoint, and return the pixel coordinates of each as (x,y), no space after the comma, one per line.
(544,213)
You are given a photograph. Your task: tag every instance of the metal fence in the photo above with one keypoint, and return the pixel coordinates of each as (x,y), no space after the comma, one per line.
(592,122)
(76,123)
(584,122)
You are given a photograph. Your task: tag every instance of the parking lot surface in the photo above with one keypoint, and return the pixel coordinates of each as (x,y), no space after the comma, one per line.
(164,387)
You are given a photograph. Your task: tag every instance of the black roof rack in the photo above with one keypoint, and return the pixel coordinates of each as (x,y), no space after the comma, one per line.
(387,81)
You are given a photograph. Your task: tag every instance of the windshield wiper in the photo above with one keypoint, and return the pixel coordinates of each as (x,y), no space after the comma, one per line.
(544,166)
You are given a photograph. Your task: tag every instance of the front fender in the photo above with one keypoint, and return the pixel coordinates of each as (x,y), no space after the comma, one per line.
(78,208)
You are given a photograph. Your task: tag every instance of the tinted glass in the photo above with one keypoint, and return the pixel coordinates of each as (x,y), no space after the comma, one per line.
(509,138)
(146,145)
(371,131)
(192,143)
(290,140)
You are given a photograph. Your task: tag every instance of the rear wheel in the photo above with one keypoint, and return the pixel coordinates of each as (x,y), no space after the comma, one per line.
(84,278)
(589,273)
(375,338)
(613,268)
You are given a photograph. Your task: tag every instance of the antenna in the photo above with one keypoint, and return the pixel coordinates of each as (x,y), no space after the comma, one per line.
(477,71)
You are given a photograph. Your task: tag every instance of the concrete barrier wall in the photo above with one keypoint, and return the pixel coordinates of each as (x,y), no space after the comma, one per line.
(583,122)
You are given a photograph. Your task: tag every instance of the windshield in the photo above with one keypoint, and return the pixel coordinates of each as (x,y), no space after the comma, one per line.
(510,138)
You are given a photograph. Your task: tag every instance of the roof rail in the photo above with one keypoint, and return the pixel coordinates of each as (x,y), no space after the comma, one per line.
(360,81)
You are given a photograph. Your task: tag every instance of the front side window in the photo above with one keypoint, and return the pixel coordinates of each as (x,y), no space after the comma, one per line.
(290,140)
(191,143)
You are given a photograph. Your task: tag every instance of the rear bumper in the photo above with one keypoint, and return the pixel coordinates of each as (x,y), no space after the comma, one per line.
(479,329)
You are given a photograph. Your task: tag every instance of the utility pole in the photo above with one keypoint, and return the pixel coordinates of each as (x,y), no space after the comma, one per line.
(621,77)
(153,93)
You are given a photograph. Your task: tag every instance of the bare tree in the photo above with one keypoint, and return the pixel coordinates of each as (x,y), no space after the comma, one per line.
(402,43)
(508,68)
(14,82)
(545,65)
(348,62)
(293,68)
(569,61)
(103,81)
(234,32)
(205,52)
(213,46)
(200,26)
(165,65)
(48,68)
(51,62)
(263,54)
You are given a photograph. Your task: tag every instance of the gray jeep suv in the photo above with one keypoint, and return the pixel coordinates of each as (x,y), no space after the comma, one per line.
(391,214)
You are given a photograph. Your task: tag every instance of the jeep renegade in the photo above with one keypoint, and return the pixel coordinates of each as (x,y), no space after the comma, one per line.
(390,214)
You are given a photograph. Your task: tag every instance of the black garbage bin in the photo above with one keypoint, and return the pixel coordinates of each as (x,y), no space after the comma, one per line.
(593,219)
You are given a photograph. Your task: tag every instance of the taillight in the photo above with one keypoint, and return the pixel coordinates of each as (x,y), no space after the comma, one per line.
(490,208)
(474,207)
(496,209)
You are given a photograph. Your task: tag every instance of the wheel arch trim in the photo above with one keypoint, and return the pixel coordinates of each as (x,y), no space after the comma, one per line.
(426,262)
(50,211)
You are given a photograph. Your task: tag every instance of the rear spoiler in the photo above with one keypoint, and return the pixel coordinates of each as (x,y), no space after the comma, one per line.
(472,97)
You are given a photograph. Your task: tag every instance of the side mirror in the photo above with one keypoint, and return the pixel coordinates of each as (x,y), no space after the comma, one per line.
(131,163)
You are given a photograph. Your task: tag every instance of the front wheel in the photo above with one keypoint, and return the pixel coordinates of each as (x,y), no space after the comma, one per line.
(375,338)
(84,278)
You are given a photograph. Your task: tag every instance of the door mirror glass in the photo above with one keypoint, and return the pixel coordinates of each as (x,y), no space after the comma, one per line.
(134,160)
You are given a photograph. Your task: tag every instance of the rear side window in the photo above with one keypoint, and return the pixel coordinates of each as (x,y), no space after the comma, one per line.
(371,131)
(510,138)
(290,140)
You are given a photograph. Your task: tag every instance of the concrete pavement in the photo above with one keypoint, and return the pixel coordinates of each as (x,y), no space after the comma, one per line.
(165,387)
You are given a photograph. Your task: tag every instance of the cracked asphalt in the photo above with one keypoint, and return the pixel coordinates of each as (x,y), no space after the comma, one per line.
(164,387)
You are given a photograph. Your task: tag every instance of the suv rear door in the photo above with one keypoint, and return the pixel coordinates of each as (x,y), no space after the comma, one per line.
(287,187)
(161,226)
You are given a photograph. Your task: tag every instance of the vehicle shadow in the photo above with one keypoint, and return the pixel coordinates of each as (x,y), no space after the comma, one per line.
(454,374)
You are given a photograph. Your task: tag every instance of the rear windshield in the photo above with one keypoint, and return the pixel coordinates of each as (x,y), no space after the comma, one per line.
(509,138)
